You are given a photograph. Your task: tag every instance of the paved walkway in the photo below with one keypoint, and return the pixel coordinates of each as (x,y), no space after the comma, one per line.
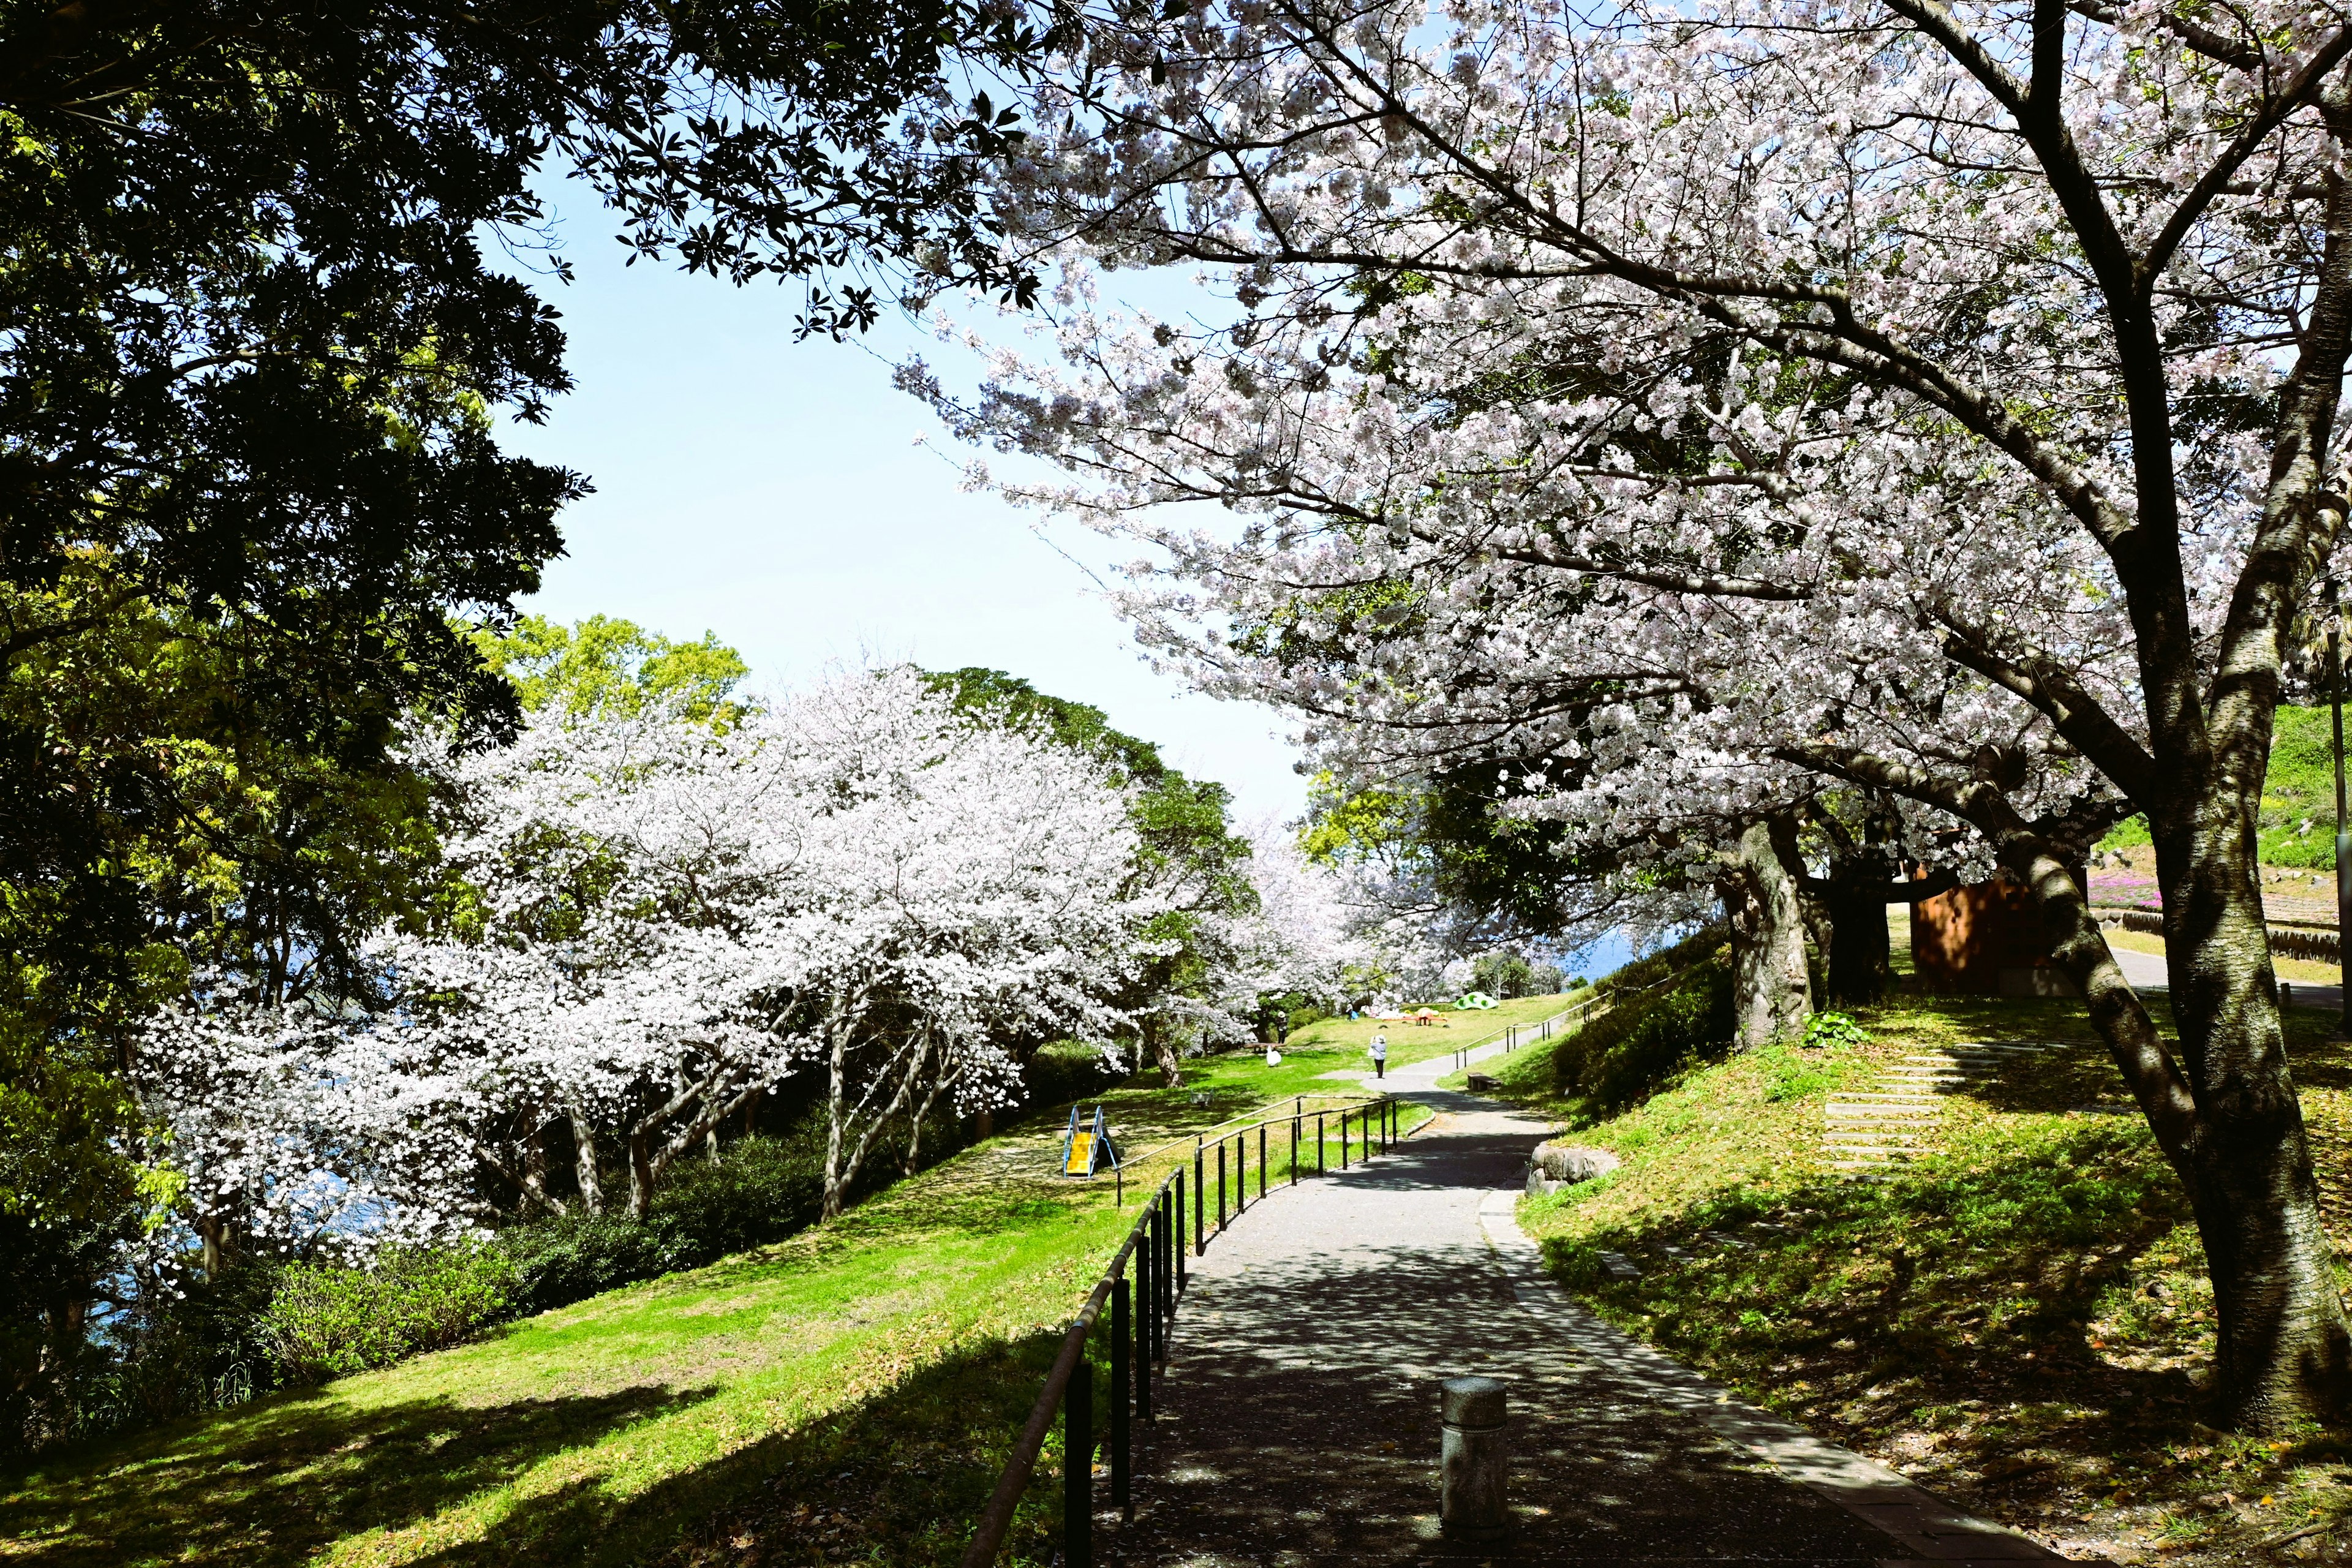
(1298,1419)
(2148,972)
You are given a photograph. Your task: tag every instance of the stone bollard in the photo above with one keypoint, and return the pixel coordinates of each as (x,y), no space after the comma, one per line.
(1476,1459)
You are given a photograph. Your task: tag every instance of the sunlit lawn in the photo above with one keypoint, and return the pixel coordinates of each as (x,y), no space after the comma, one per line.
(897,1349)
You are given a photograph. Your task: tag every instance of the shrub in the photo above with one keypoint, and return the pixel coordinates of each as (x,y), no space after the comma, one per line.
(325,1319)
(1633,1050)
(762,1189)
(1834,1029)
(1064,1072)
(1648,974)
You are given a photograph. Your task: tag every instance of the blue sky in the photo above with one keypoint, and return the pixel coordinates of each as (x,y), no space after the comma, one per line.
(772,493)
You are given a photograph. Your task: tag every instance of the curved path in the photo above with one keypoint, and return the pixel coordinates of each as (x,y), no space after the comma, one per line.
(1298,1418)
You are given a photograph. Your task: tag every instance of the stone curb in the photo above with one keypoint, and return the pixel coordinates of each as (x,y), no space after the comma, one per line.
(1928,1528)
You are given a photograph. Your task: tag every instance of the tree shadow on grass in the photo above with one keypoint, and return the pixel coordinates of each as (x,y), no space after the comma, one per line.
(896,1478)
(278,1481)
(1989,1323)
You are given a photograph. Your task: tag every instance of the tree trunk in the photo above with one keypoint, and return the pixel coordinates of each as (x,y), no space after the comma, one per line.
(534,1164)
(836,1110)
(641,1174)
(1859,960)
(1772,995)
(1160,1042)
(2227,1117)
(2282,1346)
(583,1156)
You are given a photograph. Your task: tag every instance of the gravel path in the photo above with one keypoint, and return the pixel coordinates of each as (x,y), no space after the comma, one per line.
(1299,1412)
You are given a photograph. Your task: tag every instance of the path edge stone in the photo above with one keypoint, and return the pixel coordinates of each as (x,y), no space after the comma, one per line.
(1928,1528)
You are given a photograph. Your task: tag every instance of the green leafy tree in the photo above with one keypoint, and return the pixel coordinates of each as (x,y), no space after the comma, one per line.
(251,499)
(607,664)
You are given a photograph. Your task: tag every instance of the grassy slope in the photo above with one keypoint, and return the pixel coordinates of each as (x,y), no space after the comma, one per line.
(596,1433)
(2019,1323)
(2297,826)
(871,1371)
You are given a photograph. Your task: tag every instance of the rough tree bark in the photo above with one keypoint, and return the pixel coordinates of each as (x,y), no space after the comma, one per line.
(1772,994)
(583,1156)
(1161,1046)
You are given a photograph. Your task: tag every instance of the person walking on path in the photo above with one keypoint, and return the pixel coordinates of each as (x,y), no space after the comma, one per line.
(1380,1054)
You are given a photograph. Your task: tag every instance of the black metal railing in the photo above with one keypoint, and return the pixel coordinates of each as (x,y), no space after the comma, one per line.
(1141,1312)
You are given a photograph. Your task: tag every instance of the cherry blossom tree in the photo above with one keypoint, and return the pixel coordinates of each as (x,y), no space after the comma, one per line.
(1748,399)
(651,919)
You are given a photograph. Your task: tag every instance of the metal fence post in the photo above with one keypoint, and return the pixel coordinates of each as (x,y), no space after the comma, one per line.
(1293,1149)
(1121,1333)
(1221,1184)
(1158,1312)
(1343,1139)
(1260,1159)
(1199,1188)
(1078,1468)
(1318,1143)
(1147,1320)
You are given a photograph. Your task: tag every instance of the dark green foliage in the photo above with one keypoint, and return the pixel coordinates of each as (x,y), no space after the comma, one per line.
(1064,1072)
(1506,975)
(1652,1034)
(1502,974)
(252,499)
(762,1189)
(326,1320)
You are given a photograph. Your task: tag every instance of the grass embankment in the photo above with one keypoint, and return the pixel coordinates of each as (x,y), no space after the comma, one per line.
(2297,825)
(2019,1321)
(851,1393)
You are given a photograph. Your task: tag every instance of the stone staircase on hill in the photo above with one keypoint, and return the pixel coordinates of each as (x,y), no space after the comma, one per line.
(1897,1117)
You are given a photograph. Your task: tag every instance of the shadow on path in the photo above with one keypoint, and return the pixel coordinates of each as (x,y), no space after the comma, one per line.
(1298,1421)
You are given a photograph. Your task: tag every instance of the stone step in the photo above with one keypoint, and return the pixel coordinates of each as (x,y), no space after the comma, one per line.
(1871,1113)
(1874,1135)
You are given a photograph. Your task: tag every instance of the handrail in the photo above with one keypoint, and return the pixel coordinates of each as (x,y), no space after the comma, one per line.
(1138,1340)
(1511,1033)
(1201,1133)
(997,1517)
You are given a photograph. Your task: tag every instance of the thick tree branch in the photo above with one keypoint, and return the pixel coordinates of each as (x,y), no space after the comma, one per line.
(2077,941)
(2055,695)
(2302,89)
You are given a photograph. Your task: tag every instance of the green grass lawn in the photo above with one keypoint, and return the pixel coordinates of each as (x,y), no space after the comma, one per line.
(2020,1322)
(897,1349)
(853,1392)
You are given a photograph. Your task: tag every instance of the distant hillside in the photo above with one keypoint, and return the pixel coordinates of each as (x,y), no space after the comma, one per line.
(2298,821)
